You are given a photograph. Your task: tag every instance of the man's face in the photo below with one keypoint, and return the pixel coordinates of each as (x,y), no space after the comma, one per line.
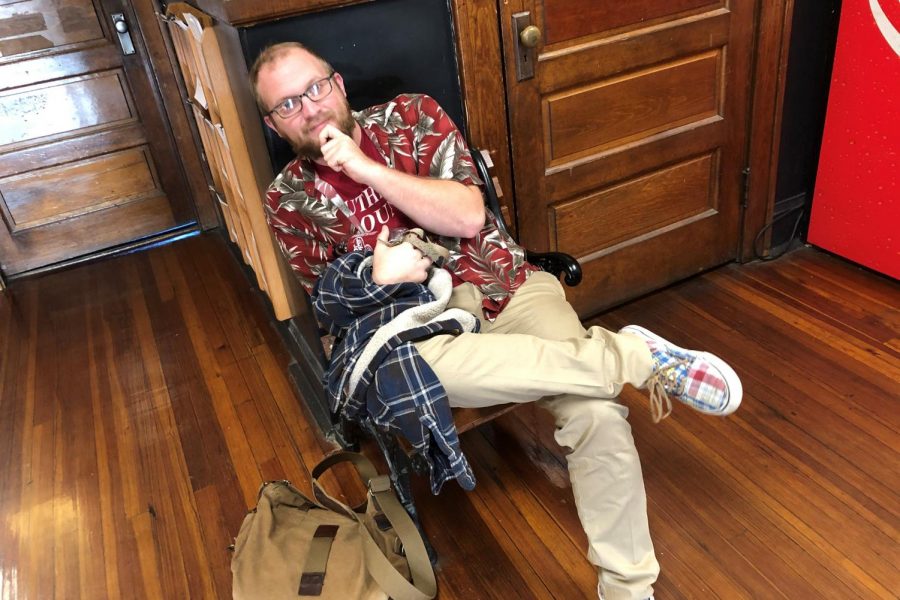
(291,74)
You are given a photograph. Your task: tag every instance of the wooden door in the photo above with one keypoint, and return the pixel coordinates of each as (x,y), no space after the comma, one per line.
(87,160)
(629,141)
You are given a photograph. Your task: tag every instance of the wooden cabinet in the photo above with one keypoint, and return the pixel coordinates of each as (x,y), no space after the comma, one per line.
(234,146)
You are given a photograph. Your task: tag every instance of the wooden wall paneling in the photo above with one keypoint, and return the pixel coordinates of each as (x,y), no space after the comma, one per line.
(191,29)
(773,36)
(225,186)
(240,122)
(216,79)
(484,93)
(193,71)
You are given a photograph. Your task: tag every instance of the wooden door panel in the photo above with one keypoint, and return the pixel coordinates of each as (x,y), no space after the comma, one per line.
(634,106)
(32,25)
(72,149)
(569,19)
(597,222)
(94,101)
(87,161)
(629,269)
(91,232)
(607,56)
(631,138)
(621,162)
(44,67)
(73,189)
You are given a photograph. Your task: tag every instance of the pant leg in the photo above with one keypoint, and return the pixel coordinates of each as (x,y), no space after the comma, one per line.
(608,487)
(537,348)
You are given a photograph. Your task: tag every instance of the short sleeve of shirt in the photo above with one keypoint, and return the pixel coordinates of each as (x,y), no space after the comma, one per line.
(304,227)
(419,137)
(443,150)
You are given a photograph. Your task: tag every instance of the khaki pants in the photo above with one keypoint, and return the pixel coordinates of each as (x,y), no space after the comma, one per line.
(536,350)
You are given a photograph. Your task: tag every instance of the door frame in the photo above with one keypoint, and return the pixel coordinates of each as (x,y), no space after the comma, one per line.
(479,54)
(159,59)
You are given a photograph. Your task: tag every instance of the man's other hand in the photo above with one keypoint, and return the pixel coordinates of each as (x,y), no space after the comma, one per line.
(341,153)
(398,264)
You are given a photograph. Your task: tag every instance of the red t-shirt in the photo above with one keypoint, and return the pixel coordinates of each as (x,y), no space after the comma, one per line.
(366,210)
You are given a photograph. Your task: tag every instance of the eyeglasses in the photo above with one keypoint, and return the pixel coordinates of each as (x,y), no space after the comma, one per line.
(315,93)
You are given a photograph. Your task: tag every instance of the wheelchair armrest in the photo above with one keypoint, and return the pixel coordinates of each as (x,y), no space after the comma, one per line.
(559,264)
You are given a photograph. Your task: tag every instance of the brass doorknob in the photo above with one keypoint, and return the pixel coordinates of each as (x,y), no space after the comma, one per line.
(530,36)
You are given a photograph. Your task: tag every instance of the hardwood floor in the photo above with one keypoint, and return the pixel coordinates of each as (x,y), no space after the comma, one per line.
(144,398)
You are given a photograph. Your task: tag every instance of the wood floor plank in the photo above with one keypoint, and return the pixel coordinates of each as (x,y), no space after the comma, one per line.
(789,404)
(564,569)
(783,500)
(700,497)
(864,358)
(764,344)
(845,308)
(847,276)
(811,518)
(144,398)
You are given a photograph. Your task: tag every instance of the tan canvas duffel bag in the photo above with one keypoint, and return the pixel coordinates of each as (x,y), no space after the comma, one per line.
(293,547)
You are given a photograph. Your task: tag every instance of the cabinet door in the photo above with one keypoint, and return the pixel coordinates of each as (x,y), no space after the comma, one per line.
(629,140)
(87,160)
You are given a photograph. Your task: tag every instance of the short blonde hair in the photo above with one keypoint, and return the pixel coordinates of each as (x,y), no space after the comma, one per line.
(269,55)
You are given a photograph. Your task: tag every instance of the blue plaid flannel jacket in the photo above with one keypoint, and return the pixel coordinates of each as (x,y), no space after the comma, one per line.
(398,390)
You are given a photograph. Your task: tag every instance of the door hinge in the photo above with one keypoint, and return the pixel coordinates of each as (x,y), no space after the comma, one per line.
(745,187)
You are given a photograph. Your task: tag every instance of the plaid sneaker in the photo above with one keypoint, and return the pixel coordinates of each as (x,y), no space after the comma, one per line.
(699,379)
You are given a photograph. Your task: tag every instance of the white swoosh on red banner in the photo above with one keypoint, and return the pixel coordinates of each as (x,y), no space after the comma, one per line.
(887,28)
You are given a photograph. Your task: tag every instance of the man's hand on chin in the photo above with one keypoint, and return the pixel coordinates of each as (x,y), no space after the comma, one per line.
(341,153)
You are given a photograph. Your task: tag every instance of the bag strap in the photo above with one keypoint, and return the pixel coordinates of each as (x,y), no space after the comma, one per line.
(423,586)
(313,577)
(363,465)
(364,468)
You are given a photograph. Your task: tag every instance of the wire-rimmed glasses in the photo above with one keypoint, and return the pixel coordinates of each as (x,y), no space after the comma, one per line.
(316,92)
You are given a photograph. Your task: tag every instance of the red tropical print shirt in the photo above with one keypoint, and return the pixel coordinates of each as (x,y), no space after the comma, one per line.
(316,216)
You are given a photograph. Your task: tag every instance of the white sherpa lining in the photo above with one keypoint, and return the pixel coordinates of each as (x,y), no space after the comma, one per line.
(441,286)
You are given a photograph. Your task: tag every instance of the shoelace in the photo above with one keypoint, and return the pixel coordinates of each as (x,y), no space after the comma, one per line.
(660,404)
